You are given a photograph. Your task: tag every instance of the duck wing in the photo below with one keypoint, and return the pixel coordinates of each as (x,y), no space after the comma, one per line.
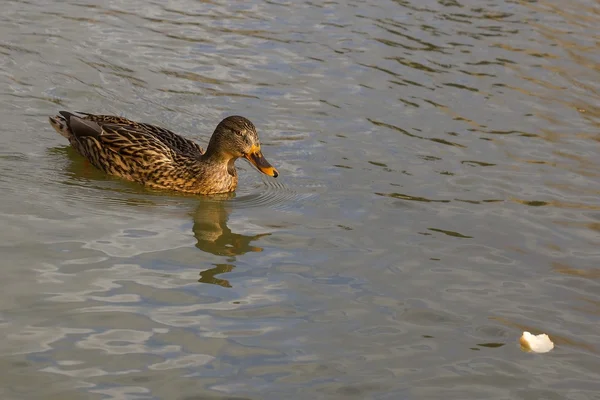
(129,152)
(169,138)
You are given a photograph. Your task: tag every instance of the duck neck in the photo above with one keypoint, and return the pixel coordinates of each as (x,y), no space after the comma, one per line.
(214,155)
(214,150)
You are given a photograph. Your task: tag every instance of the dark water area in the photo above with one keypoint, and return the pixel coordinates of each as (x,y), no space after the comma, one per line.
(439,193)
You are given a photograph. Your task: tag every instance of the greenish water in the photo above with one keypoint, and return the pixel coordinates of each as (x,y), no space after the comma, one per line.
(439,193)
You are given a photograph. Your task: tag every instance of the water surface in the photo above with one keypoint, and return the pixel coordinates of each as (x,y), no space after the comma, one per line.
(438,194)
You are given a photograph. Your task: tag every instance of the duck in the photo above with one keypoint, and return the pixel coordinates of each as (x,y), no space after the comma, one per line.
(161,159)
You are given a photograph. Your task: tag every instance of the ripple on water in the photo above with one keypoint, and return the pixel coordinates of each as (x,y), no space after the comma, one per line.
(275,194)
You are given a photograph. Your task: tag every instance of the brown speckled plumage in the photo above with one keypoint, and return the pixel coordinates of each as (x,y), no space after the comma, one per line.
(159,158)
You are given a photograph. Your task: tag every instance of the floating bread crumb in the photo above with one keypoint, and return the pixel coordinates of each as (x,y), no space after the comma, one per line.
(536,343)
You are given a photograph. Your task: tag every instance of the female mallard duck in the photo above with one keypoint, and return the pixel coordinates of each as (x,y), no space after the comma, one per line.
(159,158)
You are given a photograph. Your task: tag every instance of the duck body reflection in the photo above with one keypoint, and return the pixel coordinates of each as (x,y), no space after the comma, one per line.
(214,236)
(212,233)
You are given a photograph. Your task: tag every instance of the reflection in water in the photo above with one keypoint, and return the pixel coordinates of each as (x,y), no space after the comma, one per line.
(208,276)
(215,237)
(213,234)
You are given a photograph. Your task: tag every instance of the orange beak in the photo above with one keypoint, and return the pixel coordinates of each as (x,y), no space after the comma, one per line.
(255,157)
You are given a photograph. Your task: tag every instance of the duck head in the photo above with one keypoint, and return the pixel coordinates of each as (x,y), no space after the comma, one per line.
(236,137)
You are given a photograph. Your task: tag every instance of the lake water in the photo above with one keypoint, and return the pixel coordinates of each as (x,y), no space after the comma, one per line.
(439,193)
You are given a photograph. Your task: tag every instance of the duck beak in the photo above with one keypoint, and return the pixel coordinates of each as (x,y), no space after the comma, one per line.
(255,157)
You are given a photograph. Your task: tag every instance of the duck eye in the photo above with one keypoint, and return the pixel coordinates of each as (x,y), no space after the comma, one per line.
(239,133)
